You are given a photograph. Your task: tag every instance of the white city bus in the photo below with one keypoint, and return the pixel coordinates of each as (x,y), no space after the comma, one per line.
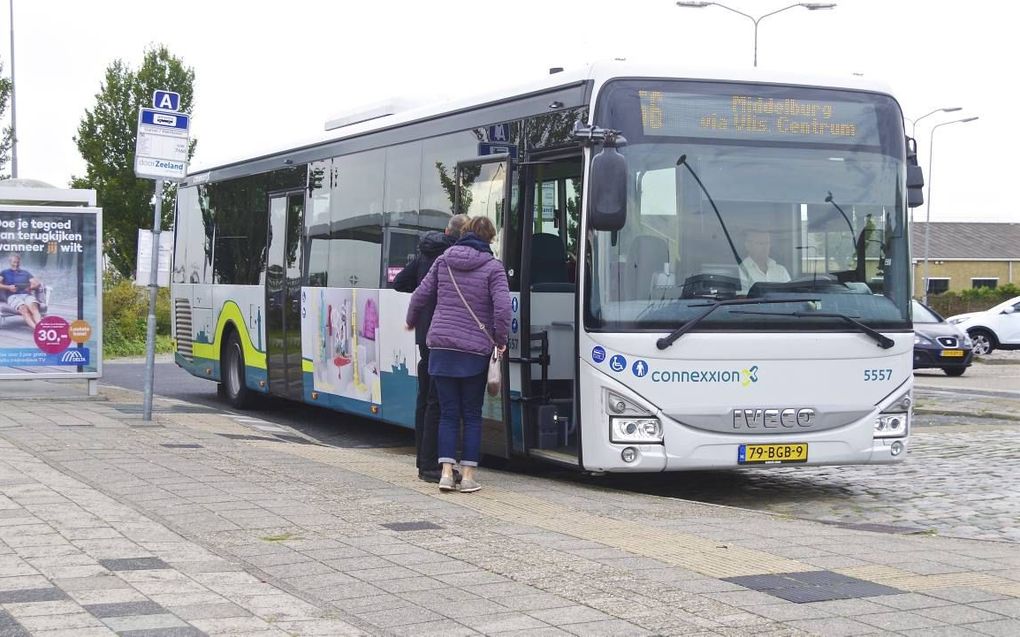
(627,200)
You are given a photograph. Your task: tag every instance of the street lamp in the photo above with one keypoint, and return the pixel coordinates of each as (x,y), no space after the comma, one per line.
(810,6)
(913,122)
(14,107)
(927,213)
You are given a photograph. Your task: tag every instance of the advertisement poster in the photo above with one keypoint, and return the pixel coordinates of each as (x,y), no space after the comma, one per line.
(346,352)
(50,292)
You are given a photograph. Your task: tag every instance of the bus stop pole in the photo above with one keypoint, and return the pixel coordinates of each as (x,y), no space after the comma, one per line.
(150,328)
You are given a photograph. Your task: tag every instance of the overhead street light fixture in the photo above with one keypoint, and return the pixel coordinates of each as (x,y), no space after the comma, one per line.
(810,6)
(947,109)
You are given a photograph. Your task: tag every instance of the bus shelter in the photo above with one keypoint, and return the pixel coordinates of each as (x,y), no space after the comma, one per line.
(50,283)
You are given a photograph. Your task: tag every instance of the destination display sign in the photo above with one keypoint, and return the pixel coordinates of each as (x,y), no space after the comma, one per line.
(744,116)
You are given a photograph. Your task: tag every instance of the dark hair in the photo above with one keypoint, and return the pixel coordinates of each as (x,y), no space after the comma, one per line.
(483,228)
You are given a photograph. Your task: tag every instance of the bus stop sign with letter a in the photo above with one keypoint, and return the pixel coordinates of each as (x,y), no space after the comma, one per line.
(161,153)
(161,149)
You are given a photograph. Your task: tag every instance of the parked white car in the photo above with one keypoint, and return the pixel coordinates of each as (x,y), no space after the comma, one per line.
(995,328)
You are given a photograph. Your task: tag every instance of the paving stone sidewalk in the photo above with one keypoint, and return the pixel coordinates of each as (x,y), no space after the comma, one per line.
(75,562)
(206,522)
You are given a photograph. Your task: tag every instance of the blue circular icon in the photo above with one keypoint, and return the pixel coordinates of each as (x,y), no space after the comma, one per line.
(514,304)
(618,363)
(598,354)
(640,368)
(514,326)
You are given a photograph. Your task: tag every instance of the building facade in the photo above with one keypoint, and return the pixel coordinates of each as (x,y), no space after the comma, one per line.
(962,255)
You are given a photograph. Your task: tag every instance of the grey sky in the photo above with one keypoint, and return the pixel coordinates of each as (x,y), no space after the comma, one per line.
(269,73)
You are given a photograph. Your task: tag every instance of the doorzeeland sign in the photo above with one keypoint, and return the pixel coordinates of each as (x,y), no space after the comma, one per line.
(161,150)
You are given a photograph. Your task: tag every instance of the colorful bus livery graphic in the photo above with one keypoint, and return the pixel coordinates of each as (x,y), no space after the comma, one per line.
(346,359)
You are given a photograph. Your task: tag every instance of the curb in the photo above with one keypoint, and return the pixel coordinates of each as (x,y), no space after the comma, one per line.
(993,415)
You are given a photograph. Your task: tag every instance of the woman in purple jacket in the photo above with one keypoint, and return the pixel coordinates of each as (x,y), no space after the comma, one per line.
(467,274)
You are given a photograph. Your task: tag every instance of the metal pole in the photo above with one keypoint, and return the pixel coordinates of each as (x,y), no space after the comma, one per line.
(14,110)
(150,328)
(756,43)
(927,213)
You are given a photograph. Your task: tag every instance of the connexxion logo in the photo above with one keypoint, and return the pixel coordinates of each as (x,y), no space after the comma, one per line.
(745,377)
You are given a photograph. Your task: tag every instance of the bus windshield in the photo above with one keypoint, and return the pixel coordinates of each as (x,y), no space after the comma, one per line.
(750,190)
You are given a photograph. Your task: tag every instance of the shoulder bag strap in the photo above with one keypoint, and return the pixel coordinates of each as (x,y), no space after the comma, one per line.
(481,326)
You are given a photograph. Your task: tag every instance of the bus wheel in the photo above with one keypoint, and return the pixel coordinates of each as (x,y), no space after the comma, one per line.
(232,372)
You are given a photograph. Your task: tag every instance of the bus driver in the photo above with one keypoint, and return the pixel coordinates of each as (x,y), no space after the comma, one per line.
(757,265)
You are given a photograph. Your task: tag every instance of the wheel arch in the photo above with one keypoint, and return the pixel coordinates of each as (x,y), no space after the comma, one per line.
(986,330)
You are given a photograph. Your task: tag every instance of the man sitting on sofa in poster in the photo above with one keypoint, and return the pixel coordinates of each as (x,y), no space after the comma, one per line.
(21,287)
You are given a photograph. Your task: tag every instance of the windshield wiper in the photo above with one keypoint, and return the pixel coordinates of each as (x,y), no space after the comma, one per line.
(682,161)
(883,341)
(671,338)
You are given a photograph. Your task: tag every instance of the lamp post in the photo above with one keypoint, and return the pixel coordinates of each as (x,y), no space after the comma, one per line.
(14,108)
(913,122)
(913,133)
(810,6)
(927,213)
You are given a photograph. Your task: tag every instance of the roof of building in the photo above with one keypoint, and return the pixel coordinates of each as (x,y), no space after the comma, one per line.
(967,240)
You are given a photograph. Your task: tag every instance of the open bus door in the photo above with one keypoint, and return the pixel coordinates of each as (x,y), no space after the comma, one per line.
(283,294)
(547,363)
(484,189)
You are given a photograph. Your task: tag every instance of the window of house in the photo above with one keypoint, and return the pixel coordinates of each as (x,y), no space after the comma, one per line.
(938,285)
(984,283)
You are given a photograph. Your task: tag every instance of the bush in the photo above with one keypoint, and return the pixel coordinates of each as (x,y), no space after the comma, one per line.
(974,300)
(125,312)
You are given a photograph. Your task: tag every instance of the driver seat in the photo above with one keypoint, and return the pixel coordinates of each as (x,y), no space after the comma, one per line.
(646,257)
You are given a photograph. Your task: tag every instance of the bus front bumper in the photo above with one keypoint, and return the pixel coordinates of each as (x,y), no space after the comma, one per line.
(686,449)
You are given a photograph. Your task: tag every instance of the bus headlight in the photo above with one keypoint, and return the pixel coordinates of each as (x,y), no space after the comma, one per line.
(891,425)
(894,421)
(635,430)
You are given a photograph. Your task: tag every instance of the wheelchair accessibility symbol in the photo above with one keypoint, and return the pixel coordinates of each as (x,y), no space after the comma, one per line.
(617,363)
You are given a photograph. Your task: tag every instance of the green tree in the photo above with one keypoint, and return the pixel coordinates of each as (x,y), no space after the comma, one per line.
(7,136)
(106,140)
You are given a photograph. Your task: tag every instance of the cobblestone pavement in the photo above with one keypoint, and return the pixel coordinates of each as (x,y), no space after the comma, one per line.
(958,480)
(960,477)
(203,522)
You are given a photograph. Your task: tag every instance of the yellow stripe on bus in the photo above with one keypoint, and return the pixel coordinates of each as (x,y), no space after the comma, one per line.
(231,312)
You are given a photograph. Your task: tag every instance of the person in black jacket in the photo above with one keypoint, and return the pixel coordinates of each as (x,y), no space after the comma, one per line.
(426,412)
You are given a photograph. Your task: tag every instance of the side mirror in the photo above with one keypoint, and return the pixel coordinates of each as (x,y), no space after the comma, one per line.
(1009,310)
(915,186)
(608,184)
(915,177)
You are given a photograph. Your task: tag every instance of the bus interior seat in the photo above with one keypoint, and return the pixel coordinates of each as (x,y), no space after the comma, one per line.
(549,264)
(646,258)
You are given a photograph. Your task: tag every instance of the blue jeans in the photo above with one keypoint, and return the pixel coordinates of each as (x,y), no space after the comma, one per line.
(460,399)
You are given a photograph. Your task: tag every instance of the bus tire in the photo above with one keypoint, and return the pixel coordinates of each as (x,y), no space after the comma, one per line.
(232,372)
